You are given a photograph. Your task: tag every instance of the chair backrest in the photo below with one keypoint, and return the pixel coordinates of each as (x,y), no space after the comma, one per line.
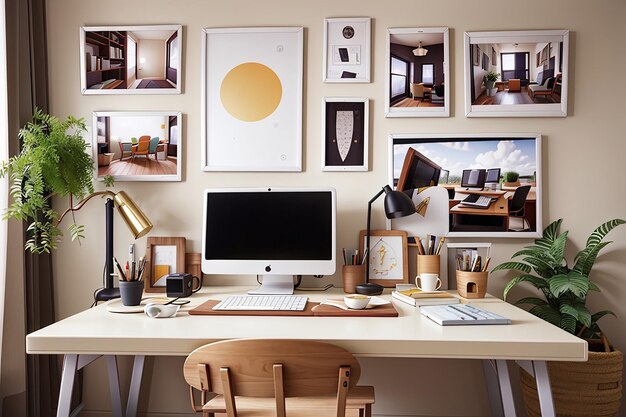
(417,89)
(154,142)
(557,82)
(519,198)
(144,144)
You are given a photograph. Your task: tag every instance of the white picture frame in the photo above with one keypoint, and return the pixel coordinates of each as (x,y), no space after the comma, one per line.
(347,50)
(520,100)
(265,64)
(345,134)
(121,132)
(407,101)
(109,66)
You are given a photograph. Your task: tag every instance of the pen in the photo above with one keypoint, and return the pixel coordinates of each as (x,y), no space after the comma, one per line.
(142,264)
(127,271)
(345,259)
(440,245)
(364,256)
(119,268)
(420,247)
(486,264)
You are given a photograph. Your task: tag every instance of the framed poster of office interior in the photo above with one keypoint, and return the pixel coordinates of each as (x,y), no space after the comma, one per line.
(408,50)
(387,256)
(164,256)
(536,98)
(345,134)
(444,157)
(347,49)
(108,59)
(252,99)
(117,151)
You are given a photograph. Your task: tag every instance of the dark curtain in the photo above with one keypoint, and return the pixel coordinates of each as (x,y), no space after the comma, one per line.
(28,88)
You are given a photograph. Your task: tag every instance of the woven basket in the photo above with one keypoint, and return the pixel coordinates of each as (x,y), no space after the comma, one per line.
(580,389)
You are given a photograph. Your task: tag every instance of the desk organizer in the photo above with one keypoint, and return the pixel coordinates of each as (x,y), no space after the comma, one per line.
(353,275)
(428,264)
(471,284)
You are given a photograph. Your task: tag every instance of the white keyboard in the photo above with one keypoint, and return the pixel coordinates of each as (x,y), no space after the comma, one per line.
(474,200)
(263,303)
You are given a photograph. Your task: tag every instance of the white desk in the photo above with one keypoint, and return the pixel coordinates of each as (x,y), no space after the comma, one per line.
(85,336)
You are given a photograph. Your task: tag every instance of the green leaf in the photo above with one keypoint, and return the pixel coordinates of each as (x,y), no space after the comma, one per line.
(574,282)
(518,266)
(531,300)
(593,287)
(597,316)
(568,323)
(584,316)
(569,310)
(109,181)
(557,250)
(587,258)
(548,314)
(550,233)
(537,282)
(533,251)
(599,234)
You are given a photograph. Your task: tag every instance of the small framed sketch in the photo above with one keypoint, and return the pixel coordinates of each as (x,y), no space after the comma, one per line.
(137,146)
(387,256)
(516,73)
(164,256)
(345,140)
(131,59)
(347,50)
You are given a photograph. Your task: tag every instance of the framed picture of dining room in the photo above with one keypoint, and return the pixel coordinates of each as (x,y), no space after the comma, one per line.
(137,146)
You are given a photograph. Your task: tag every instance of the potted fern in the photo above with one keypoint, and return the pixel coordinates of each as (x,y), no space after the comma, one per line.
(490,82)
(52,161)
(584,389)
(511,179)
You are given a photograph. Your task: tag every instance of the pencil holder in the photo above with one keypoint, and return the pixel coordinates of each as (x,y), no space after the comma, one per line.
(471,284)
(428,264)
(353,275)
(131,292)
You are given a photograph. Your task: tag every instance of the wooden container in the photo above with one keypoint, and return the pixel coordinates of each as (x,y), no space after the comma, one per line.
(471,284)
(429,264)
(353,275)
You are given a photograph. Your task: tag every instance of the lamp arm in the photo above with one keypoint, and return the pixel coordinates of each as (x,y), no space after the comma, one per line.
(367,238)
(82,202)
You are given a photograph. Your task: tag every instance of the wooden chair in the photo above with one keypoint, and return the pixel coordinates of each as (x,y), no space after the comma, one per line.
(258,378)
(142,147)
(552,92)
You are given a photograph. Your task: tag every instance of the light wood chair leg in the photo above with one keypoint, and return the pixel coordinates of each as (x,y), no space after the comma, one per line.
(342,390)
(229,398)
(279,390)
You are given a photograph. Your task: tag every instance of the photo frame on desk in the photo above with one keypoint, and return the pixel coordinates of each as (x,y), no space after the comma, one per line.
(387,256)
(164,256)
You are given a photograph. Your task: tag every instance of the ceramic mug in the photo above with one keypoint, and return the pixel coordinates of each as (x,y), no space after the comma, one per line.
(428,282)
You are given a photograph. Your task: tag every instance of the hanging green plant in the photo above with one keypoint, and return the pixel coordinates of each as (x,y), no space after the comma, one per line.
(52,161)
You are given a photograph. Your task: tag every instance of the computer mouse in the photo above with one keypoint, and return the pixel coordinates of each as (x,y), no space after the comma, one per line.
(369,289)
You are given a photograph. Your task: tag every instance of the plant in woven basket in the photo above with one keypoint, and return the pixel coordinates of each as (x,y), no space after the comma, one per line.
(564,287)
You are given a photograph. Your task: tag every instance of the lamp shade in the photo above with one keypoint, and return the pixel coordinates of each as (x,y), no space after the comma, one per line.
(397,204)
(419,51)
(136,221)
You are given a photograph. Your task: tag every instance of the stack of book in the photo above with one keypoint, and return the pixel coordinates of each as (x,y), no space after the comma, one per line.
(418,298)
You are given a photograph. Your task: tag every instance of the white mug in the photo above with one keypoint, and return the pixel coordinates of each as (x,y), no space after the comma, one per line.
(428,282)
(156,310)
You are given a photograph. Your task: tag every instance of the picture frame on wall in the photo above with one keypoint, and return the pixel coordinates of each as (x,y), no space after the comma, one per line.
(345,131)
(131,59)
(252,99)
(532,68)
(347,49)
(137,146)
(387,256)
(164,256)
(417,75)
(505,167)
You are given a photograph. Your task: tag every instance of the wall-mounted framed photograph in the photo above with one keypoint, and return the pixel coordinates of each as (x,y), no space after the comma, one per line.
(527,75)
(417,72)
(345,134)
(505,168)
(137,146)
(387,256)
(252,99)
(131,59)
(347,49)
(164,256)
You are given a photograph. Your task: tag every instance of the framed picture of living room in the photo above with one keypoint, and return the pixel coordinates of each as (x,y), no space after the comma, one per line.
(347,46)
(131,59)
(252,99)
(137,146)
(493,181)
(417,75)
(527,75)
(345,133)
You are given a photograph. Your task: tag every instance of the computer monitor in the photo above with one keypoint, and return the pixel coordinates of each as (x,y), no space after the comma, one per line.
(273,232)
(473,178)
(417,172)
(493,175)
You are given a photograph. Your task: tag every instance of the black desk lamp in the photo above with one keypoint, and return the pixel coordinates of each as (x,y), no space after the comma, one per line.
(397,204)
(134,218)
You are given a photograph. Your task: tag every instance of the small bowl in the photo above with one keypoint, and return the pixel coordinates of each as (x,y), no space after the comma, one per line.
(356,301)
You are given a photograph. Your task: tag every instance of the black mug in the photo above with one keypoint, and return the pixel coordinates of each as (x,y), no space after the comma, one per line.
(181,285)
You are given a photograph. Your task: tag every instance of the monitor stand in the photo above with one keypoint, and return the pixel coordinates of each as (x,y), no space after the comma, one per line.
(274,284)
(474,188)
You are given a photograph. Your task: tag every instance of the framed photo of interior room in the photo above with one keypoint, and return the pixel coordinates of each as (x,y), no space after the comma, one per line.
(516,73)
(504,167)
(137,146)
(252,99)
(345,134)
(131,59)
(347,49)
(417,75)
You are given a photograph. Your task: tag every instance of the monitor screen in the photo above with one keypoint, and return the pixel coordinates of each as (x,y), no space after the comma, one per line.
(269,231)
(474,178)
(418,171)
(493,175)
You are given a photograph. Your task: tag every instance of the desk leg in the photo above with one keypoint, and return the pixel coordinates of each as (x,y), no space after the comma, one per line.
(135,386)
(70,366)
(493,389)
(505,388)
(543,389)
(114,386)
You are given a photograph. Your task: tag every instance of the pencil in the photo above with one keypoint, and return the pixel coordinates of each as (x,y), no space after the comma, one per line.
(420,247)
(486,264)
(119,268)
(440,245)
(345,259)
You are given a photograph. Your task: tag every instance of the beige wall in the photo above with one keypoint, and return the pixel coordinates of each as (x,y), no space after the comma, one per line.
(154,53)
(583,158)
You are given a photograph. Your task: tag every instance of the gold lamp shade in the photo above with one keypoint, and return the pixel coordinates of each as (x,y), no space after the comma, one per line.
(136,221)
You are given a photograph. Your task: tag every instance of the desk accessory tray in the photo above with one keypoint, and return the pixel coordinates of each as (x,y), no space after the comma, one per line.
(311,309)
